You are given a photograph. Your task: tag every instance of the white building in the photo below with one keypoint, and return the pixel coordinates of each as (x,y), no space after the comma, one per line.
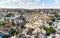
(13,37)
(57,35)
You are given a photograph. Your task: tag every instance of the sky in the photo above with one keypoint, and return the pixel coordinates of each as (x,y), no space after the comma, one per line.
(30,4)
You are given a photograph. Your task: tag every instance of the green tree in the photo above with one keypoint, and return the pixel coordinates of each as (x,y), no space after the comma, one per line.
(17,32)
(53,19)
(56,15)
(9,15)
(5,36)
(45,28)
(48,32)
(5,18)
(50,23)
(14,31)
(2,23)
(52,30)
(13,23)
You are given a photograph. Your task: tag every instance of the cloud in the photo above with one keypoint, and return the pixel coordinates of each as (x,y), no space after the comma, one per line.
(31,4)
(57,1)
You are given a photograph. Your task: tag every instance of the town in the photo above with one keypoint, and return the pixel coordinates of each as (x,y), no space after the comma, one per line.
(29,23)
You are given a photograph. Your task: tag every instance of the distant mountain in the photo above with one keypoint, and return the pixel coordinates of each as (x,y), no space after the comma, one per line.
(24,10)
